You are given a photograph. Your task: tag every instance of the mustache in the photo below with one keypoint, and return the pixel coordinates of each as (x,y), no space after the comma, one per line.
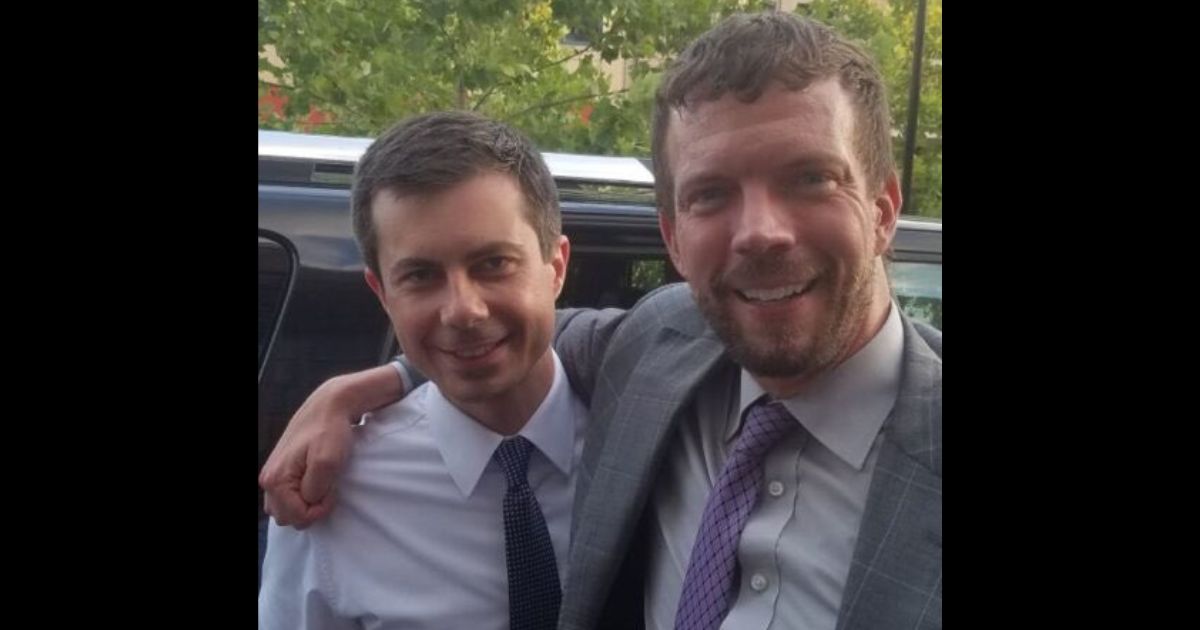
(769,268)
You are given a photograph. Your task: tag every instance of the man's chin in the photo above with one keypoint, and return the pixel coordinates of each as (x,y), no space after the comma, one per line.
(772,360)
(469,387)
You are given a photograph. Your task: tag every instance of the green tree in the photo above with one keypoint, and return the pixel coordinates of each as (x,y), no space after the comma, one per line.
(368,63)
(887,32)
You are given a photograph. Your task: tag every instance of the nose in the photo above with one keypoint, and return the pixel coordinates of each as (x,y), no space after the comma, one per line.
(464,306)
(763,223)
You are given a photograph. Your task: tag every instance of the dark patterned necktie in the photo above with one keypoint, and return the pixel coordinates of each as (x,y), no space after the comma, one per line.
(533,589)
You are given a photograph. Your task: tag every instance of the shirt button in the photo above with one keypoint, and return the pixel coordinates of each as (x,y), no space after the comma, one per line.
(758,582)
(775,488)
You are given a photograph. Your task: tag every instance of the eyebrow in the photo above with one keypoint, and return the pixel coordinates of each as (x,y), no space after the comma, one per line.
(809,160)
(817,159)
(820,158)
(485,250)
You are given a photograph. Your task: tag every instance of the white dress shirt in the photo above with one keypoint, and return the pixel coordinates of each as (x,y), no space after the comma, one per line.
(417,537)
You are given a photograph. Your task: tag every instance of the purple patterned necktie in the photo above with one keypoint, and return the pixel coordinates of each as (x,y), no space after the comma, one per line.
(708,585)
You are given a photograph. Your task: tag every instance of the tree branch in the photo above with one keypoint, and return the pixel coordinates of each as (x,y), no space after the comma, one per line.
(505,82)
(567,100)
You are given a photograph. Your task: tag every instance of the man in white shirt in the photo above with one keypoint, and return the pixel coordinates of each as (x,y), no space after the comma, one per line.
(458,500)
(766,445)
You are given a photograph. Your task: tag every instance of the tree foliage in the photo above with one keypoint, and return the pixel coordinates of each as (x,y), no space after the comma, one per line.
(367,63)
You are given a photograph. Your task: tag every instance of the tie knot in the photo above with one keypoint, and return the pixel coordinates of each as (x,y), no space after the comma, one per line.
(766,422)
(513,455)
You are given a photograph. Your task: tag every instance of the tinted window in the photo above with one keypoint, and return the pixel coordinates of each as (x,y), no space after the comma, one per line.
(918,289)
(600,280)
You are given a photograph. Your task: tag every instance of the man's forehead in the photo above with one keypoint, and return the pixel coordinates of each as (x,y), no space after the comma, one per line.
(825,97)
(820,111)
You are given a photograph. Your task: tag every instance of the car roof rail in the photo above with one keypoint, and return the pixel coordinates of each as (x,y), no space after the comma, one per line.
(298,158)
(304,158)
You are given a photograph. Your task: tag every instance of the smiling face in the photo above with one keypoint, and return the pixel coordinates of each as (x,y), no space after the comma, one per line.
(469,293)
(777,230)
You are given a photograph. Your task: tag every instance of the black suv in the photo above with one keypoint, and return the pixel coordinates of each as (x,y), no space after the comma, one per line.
(317,318)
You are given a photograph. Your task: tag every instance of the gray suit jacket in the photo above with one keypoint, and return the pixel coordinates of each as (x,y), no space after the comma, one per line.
(639,372)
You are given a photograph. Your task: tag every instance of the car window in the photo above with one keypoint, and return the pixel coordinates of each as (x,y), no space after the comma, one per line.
(918,290)
(603,279)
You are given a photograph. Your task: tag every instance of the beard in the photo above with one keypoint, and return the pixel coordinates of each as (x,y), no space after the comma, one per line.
(799,346)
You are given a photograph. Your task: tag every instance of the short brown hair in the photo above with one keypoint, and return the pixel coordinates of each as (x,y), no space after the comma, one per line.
(743,54)
(432,152)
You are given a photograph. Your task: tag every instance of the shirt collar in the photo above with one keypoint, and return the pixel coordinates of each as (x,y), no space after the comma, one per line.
(845,408)
(467,446)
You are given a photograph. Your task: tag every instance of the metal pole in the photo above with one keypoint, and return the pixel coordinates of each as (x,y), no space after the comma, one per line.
(914,103)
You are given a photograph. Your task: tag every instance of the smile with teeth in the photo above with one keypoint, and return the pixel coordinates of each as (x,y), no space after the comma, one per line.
(473,352)
(772,295)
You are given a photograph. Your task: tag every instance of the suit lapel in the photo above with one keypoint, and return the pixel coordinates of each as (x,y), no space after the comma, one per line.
(895,574)
(622,456)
